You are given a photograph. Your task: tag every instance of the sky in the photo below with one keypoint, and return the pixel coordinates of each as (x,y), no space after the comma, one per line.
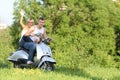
(6,11)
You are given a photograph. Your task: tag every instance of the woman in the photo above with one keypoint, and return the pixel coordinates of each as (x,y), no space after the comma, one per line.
(28,25)
(25,40)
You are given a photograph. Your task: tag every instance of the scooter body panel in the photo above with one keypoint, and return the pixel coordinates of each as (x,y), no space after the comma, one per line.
(46,59)
(18,55)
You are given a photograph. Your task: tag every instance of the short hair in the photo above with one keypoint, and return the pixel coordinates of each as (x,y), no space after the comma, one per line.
(41,18)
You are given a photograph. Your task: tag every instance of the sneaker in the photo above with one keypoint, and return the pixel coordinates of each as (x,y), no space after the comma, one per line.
(29,62)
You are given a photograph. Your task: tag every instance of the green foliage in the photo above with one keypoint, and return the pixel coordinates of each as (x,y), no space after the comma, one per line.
(32,10)
(61,72)
(5,47)
(84,32)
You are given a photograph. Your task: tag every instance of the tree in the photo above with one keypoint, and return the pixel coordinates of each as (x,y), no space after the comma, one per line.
(83,31)
(32,10)
(86,27)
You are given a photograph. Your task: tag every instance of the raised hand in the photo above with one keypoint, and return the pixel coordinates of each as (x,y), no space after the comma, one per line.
(22,12)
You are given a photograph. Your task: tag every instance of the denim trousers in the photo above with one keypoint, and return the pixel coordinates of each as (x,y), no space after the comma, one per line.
(31,46)
(23,40)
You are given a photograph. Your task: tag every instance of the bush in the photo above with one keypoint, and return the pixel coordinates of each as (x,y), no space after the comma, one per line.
(84,33)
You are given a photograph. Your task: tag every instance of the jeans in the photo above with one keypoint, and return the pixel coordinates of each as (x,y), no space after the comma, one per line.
(24,39)
(31,46)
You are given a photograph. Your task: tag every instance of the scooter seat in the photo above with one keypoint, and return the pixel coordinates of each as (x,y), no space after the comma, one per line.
(21,48)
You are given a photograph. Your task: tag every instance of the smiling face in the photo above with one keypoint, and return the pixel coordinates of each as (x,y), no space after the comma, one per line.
(30,22)
(41,22)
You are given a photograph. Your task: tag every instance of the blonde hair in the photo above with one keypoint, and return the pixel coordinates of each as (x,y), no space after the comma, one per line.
(30,20)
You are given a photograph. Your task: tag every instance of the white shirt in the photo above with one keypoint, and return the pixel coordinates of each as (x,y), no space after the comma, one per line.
(23,32)
(37,31)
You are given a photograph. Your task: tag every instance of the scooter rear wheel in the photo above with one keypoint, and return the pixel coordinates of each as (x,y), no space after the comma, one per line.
(16,65)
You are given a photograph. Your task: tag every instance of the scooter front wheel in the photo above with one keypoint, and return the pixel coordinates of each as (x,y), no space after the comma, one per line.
(47,66)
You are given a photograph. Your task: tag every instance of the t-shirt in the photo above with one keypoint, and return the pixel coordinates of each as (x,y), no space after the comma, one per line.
(37,31)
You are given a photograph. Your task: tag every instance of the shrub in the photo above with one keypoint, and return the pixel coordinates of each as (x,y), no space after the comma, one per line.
(85,33)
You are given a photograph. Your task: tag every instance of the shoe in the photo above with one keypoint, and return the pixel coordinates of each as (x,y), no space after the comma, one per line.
(29,62)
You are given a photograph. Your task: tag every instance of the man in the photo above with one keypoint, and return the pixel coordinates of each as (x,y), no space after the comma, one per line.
(41,47)
(39,29)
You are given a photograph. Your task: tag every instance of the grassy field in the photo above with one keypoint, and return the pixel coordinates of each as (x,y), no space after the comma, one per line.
(7,72)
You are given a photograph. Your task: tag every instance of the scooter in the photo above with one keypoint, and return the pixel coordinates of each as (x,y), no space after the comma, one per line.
(43,58)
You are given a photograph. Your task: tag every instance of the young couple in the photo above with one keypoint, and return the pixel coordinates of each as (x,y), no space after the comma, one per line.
(28,39)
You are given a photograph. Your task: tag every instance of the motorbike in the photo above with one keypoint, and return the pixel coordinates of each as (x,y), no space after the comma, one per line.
(43,58)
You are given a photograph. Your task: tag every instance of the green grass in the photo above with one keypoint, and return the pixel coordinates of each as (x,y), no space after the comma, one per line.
(7,72)
(61,73)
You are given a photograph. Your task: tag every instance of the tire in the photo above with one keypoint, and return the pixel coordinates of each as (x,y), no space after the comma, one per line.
(20,63)
(47,66)
(16,65)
